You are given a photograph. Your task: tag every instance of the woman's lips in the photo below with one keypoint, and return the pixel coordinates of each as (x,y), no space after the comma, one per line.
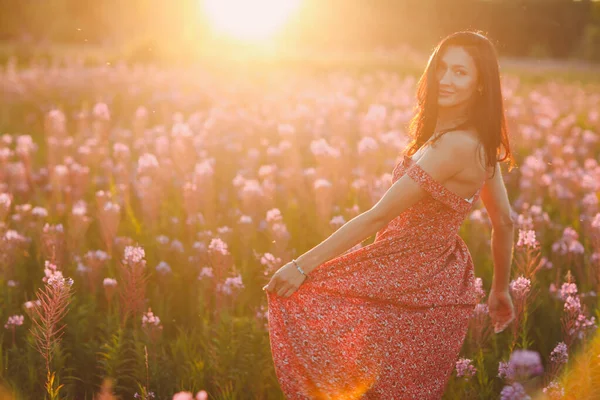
(444,93)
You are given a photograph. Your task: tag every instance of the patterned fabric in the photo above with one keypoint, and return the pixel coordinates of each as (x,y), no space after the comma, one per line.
(386,321)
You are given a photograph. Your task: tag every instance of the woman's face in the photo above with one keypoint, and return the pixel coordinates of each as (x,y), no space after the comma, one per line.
(457,77)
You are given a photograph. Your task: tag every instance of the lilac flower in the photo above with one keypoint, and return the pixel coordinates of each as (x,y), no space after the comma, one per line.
(514,392)
(560,354)
(206,271)
(477,216)
(245,219)
(59,281)
(101,111)
(133,255)
(252,187)
(481,309)
(112,207)
(177,246)
(163,268)
(183,396)
(525,363)
(527,239)
(568,289)
(582,323)
(109,282)
(274,215)
(147,162)
(51,270)
(15,320)
(149,319)
(219,246)
(321,183)
(40,212)
(162,239)
(572,304)
(224,230)
(14,236)
(321,147)
(121,151)
(229,283)
(5,200)
(267,170)
(545,263)
(554,390)
(504,370)
(520,286)
(464,368)
(568,243)
(479,287)
(367,144)
(79,208)
(30,304)
(337,221)
(201,395)
(205,168)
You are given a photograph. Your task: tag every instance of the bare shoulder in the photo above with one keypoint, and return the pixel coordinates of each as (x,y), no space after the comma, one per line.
(459,143)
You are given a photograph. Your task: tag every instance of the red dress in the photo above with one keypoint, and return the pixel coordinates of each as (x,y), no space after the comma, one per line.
(386,321)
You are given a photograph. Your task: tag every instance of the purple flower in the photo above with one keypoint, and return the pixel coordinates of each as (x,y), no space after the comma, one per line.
(527,239)
(560,354)
(572,304)
(133,255)
(514,392)
(15,320)
(568,289)
(525,363)
(219,246)
(206,271)
(163,268)
(554,390)
(520,287)
(464,368)
(183,396)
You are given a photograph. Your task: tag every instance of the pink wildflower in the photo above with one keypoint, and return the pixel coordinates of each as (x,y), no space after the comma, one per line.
(464,368)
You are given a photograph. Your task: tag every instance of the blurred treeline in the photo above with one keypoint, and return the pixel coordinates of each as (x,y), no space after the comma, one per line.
(538,28)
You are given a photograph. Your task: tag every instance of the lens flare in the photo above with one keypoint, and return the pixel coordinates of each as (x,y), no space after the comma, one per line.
(249,20)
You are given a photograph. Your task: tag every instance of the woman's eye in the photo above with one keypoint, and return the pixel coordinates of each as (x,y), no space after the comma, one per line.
(460,72)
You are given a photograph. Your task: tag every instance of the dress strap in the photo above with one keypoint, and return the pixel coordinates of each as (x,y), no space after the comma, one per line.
(436,189)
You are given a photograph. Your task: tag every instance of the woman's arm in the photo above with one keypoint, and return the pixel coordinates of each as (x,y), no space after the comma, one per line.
(442,162)
(352,232)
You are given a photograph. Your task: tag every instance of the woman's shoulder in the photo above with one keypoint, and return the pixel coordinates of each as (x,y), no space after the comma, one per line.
(465,145)
(462,141)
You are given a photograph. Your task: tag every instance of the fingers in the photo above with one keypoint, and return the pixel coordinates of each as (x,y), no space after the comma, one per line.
(290,291)
(499,327)
(283,289)
(271,286)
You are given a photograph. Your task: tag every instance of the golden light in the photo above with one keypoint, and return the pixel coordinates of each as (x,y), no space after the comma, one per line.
(249,20)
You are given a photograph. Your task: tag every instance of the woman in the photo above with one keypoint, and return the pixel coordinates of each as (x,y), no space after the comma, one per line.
(387,321)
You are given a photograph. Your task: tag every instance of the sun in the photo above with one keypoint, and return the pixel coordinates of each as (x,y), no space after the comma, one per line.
(249,20)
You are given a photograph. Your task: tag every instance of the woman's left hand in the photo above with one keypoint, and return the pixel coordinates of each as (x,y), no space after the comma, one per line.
(286,280)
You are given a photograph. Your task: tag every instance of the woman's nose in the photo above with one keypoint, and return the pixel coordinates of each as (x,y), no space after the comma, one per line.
(446,78)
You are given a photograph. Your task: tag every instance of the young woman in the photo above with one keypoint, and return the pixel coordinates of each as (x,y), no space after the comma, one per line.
(387,321)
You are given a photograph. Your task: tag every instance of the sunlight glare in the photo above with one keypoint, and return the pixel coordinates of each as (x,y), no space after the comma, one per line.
(249,20)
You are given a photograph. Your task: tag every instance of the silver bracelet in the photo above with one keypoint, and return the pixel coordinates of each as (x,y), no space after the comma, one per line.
(299,269)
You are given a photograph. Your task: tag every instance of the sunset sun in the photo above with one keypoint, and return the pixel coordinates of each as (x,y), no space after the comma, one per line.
(249,20)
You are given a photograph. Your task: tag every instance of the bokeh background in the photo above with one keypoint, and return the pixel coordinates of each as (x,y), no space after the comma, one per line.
(147,29)
(160,161)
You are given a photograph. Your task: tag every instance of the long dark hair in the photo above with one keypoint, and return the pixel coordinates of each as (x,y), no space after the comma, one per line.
(486,113)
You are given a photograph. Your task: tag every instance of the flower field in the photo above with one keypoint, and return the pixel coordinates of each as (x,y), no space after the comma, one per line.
(143,208)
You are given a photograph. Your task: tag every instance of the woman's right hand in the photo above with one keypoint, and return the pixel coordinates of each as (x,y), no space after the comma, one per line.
(501,309)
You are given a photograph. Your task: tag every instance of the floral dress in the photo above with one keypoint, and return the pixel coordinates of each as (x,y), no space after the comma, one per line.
(385,321)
